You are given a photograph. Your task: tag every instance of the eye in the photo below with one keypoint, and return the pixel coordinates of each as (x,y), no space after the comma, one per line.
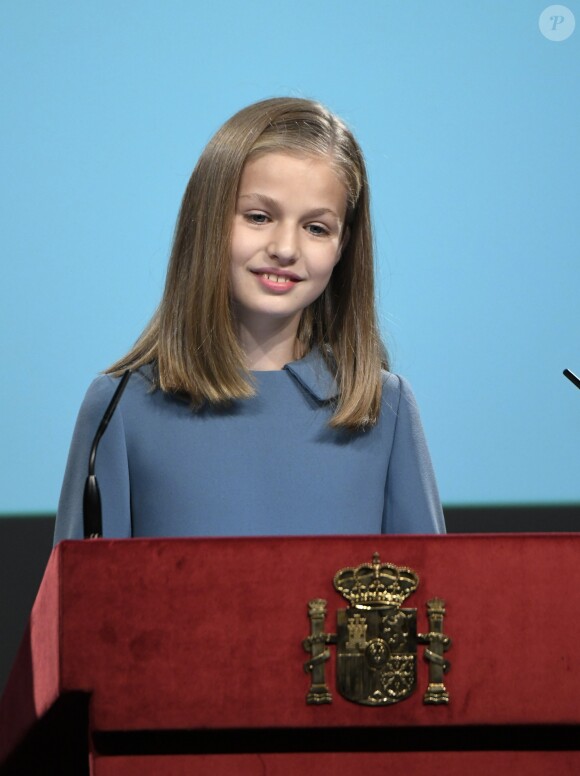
(256,218)
(318,230)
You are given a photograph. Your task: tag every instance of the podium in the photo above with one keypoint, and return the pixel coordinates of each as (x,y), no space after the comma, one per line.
(186,656)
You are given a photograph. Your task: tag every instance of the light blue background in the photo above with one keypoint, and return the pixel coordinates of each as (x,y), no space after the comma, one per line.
(470,120)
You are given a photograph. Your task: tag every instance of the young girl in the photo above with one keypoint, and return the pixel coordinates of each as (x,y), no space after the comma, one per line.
(259,400)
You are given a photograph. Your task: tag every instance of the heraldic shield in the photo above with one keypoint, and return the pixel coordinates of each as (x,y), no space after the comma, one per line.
(377,654)
(377,639)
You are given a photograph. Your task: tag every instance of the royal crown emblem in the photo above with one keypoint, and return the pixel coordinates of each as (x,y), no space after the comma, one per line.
(376,639)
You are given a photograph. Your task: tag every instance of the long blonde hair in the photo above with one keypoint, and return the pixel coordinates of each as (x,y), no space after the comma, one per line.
(192,338)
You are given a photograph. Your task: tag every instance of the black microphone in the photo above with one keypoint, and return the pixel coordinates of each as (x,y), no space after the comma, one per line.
(572,377)
(92,515)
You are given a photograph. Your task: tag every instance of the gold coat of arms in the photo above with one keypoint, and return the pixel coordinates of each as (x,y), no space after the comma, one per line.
(376,639)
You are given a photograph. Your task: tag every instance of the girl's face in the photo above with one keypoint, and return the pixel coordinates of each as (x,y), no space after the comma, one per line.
(287,236)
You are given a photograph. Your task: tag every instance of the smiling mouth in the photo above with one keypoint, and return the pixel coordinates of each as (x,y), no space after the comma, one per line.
(276,278)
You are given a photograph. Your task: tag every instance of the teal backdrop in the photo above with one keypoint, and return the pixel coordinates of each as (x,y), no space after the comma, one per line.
(469,115)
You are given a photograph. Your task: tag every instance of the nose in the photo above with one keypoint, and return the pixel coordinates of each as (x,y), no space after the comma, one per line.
(284,245)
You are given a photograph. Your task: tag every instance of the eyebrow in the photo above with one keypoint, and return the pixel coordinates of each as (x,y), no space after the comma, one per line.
(272,203)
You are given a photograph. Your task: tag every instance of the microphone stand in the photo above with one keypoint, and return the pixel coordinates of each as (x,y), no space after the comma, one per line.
(92,514)
(572,377)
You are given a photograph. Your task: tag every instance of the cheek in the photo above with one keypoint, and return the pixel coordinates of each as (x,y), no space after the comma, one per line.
(330,261)
(330,266)
(239,246)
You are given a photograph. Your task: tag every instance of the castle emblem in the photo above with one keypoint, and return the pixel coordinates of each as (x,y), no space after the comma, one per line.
(376,639)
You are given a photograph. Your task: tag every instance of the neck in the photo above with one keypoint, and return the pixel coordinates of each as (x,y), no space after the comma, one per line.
(269,349)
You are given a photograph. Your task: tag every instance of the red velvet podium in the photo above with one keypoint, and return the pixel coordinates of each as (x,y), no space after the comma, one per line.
(186,657)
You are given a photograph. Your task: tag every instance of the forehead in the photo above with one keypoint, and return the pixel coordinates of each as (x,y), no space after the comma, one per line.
(287,175)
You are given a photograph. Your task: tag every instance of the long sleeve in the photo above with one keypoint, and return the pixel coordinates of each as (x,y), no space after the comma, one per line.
(111,468)
(412,502)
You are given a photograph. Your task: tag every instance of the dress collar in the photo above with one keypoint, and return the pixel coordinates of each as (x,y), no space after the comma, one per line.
(314,376)
(311,372)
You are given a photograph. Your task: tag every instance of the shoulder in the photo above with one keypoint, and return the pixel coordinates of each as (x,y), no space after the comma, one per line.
(97,397)
(101,390)
(398,401)
(395,389)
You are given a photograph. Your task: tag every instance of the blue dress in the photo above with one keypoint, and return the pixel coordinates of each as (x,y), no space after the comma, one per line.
(269,465)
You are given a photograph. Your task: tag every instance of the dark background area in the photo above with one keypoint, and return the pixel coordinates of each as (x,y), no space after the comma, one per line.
(26,542)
